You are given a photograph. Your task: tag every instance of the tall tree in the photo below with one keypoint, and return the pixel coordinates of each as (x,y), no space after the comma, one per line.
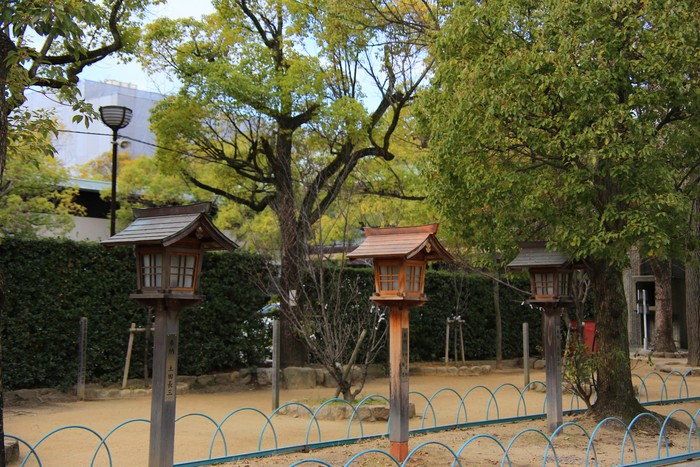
(46,44)
(685,152)
(547,122)
(692,291)
(663,304)
(285,98)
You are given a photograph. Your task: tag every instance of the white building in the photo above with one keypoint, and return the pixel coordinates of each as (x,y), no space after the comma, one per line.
(75,147)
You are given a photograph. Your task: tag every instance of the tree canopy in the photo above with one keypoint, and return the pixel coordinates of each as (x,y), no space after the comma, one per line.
(549,120)
(284,98)
(41,200)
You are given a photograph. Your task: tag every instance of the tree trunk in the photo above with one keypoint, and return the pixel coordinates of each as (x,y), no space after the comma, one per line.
(2,393)
(692,292)
(293,245)
(5,46)
(663,318)
(615,392)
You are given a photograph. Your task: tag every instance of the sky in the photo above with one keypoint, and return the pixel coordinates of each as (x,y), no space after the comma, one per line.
(111,68)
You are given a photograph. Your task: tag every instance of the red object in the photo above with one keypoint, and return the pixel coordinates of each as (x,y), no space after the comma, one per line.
(588,335)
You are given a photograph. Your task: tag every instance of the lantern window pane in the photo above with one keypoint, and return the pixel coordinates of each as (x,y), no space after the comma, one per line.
(389,277)
(544,284)
(413,278)
(564,284)
(182,268)
(152,270)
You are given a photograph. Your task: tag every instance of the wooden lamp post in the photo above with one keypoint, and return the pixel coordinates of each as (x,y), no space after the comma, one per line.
(168,243)
(400,256)
(550,284)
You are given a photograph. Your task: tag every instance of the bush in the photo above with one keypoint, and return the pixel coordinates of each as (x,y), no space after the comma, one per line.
(474,292)
(50,284)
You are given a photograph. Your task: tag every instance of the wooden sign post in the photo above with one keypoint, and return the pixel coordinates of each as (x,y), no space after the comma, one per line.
(169,243)
(400,256)
(162,438)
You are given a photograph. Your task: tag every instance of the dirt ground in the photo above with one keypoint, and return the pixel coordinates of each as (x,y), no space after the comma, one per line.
(241,429)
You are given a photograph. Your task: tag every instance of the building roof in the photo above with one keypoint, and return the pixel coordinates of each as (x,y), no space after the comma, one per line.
(535,254)
(401,242)
(167,226)
(89,185)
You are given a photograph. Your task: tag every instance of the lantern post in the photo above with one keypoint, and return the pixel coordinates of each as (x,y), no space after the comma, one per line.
(168,244)
(400,256)
(550,284)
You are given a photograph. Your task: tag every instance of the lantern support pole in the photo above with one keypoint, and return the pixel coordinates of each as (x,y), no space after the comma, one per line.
(165,337)
(552,356)
(398,388)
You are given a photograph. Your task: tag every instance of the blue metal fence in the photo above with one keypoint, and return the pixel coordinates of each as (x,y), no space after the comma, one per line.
(429,422)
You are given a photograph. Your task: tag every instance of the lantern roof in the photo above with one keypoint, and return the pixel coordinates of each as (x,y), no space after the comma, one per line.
(169,225)
(536,254)
(401,242)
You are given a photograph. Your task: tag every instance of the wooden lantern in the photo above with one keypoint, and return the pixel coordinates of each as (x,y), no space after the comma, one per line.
(550,284)
(550,273)
(400,256)
(168,243)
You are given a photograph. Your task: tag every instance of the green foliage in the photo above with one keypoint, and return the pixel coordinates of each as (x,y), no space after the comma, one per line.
(226,331)
(476,308)
(273,109)
(51,284)
(550,121)
(580,369)
(473,301)
(36,202)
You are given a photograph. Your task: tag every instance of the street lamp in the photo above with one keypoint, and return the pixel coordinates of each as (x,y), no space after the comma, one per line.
(115,117)
(168,243)
(400,256)
(550,284)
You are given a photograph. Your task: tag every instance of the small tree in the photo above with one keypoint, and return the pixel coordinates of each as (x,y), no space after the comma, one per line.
(341,329)
(335,319)
(580,360)
(580,368)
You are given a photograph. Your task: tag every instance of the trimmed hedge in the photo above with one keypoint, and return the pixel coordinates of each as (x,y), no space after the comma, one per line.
(474,292)
(51,284)
(428,323)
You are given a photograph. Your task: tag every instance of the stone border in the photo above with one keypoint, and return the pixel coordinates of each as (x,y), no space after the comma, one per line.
(366,413)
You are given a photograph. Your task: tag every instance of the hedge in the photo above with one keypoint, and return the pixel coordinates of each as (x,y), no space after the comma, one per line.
(51,284)
(469,296)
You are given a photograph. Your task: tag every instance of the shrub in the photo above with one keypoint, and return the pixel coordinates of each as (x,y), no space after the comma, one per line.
(50,284)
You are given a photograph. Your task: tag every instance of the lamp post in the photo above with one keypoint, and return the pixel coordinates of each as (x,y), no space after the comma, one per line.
(168,243)
(115,117)
(400,256)
(550,284)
